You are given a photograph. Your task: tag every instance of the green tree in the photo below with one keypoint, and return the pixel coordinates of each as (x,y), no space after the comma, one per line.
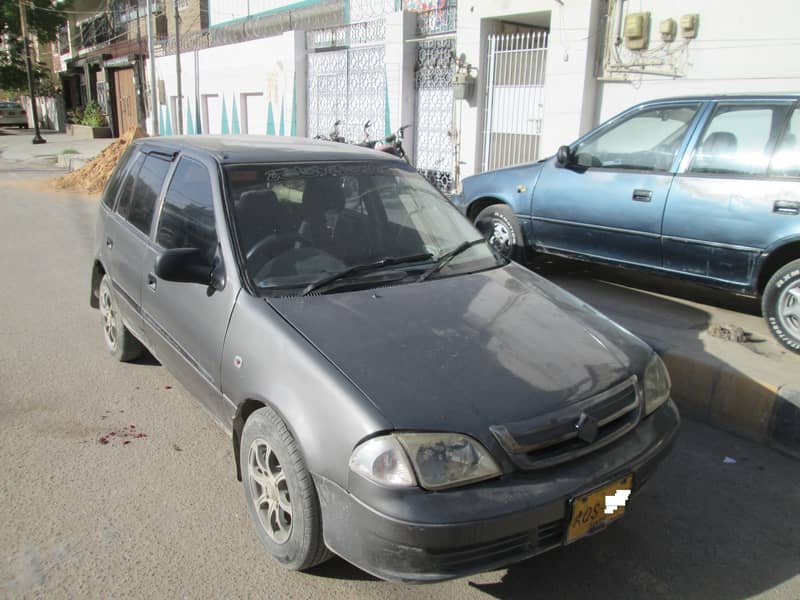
(44,17)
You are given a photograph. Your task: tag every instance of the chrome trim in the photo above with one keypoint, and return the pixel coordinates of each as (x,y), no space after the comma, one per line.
(601,227)
(736,247)
(564,417)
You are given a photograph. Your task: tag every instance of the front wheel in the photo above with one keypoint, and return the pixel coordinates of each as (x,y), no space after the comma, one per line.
(281,497)
(120,342)
(499,226)
(780,305)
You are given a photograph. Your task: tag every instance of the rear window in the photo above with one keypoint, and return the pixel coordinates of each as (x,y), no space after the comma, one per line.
(115,181)
(151,180)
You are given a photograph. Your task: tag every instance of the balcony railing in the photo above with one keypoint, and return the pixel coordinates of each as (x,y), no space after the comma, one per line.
(437,21)
(343,36)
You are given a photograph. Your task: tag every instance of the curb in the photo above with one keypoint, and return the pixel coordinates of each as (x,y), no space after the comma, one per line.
(710,391)
(72,162)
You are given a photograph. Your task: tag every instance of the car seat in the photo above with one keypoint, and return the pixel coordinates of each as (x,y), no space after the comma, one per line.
(257,212)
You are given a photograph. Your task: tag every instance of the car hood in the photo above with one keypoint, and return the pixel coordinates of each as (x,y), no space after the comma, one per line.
(465,352)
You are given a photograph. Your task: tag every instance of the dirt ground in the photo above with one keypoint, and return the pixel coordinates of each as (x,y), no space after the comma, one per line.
(92,177)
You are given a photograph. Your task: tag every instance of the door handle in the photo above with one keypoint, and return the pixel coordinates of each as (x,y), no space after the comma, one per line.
(786,207)
(151,281)
(109,243)
(642,195)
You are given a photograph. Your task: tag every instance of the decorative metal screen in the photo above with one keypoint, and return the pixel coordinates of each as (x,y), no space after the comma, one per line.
(327,91)
(348,86)
(433,141)
(514,99)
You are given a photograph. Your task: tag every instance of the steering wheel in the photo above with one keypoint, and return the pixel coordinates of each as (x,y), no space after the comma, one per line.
(273,245)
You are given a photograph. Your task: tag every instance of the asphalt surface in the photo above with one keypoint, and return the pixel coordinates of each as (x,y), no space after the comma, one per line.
(162,515)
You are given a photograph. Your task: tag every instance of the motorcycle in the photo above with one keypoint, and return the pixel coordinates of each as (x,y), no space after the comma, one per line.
(392,144)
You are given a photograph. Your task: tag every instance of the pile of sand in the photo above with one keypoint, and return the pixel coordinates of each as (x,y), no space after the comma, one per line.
(92,177)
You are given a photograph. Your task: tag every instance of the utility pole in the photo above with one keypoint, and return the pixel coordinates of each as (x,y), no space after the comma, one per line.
(152,56)
(37,139)
(179,128)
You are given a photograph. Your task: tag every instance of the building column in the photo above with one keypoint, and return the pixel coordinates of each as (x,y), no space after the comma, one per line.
(570,97)
(298,121)
(400,59)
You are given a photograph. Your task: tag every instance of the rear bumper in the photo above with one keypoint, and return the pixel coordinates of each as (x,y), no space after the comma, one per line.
(421,536)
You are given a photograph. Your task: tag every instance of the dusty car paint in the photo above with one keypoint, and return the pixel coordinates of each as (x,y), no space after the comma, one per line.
(458,353)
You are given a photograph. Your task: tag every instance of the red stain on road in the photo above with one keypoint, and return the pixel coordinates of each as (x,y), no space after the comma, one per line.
(125,435)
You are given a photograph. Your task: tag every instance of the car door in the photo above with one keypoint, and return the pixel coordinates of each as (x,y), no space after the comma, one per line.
(126,232)
(610,202)
(186,322)
(727,204)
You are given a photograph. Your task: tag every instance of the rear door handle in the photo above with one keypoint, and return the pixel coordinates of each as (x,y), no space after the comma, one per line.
(786,207)
(109,243)
(642,195)
(151,281)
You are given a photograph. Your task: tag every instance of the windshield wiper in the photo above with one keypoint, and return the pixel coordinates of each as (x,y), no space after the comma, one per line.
(448,256)
(364,268)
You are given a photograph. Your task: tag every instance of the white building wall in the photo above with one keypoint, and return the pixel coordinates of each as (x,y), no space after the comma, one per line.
(741,47)
(569,86)
(247,82)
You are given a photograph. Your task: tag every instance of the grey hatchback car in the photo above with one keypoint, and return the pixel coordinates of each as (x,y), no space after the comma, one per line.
(396,392)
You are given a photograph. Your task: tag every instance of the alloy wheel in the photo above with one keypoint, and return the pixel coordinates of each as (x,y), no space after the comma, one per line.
(109,316)
(270,491)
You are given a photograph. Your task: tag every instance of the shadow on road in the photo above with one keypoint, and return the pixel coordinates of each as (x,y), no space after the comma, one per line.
(701,529)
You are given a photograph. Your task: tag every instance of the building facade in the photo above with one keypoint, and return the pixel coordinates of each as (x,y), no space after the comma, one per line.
(484,84)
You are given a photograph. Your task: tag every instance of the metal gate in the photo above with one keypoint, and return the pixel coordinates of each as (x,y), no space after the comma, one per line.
(514,99)
(348,86)
(433,144)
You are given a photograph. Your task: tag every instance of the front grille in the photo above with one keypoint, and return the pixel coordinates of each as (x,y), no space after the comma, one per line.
(555,437)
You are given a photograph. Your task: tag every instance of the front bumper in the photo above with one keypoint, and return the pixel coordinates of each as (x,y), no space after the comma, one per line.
(413,535)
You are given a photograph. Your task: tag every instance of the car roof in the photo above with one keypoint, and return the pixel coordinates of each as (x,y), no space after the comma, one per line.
(725,97)
(231,149)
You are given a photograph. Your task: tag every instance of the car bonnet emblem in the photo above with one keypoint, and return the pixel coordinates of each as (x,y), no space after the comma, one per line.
(587,428)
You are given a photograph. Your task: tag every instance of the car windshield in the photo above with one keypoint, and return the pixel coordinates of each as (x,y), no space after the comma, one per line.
(346,224)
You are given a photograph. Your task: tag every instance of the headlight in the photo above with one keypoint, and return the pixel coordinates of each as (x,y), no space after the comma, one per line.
(439,460)
(656,384)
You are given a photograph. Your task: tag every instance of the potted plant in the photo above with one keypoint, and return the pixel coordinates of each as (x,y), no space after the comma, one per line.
(89,122)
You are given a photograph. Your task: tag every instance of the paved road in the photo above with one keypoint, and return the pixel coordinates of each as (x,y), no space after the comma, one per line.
(162,516)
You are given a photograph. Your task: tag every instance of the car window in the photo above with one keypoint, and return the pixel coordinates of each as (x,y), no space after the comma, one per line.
(129,186)
(786,159)
(298,223)
(187,218)
(736,140)
(115,181)
(647,140)
(151,180)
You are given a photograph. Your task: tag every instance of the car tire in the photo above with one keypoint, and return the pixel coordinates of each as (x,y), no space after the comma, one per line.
(281,496)
(122,344)
(501,229)
(780,305)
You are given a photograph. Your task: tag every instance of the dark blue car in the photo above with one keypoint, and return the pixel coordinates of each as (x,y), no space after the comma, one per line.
(702,187)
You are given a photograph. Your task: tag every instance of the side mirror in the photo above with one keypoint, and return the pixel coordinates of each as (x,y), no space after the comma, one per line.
(564,156)
(186,265)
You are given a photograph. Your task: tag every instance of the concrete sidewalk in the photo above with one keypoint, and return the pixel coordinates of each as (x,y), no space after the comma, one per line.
(726,368)
(63,150)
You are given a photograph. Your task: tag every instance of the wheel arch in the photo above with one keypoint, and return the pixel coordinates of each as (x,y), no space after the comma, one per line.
(776,258)
(477,205)
(246,408)
(98,272)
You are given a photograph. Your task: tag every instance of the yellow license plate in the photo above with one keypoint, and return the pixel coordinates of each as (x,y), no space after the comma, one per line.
(593,511)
